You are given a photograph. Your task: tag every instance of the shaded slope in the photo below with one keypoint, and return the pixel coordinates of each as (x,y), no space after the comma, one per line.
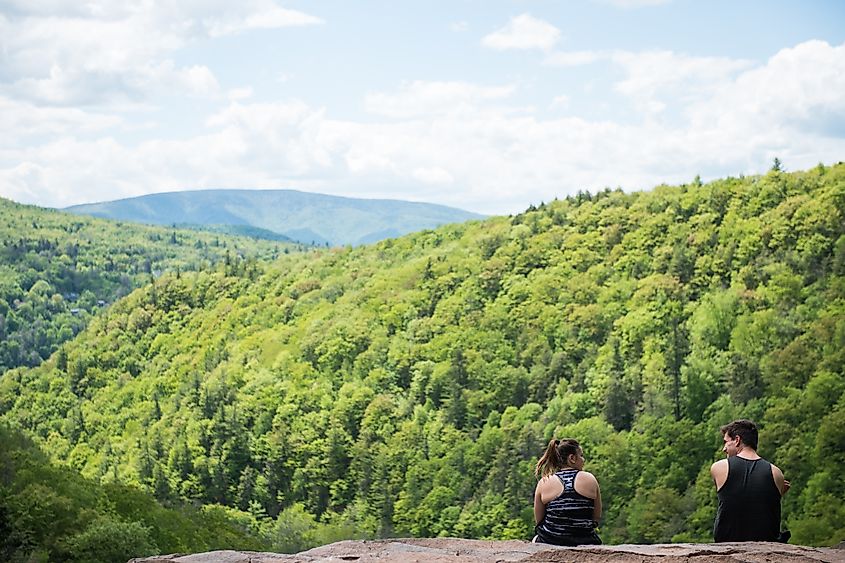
(59,269)
(52,513)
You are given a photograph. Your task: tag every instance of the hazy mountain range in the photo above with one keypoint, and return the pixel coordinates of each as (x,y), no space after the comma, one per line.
(300,216)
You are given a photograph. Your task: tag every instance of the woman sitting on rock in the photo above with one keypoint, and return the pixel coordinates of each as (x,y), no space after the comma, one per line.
(567,501)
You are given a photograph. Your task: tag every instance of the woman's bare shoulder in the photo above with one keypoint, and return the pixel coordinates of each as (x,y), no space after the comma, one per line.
(545,480)
(587,476)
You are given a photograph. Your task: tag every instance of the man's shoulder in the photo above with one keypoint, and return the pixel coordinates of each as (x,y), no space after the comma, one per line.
(720,465)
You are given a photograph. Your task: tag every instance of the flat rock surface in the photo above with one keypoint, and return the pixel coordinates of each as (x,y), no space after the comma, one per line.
(451,550)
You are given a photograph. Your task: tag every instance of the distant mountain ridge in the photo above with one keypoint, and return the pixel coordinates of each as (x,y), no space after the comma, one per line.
(301,216)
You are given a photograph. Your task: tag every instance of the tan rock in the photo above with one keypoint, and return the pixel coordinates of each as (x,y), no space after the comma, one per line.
(452,550)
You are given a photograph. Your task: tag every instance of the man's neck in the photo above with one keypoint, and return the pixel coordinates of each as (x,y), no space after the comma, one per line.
(748,453)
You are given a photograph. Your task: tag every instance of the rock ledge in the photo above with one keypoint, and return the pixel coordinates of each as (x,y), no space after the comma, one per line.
(452,550)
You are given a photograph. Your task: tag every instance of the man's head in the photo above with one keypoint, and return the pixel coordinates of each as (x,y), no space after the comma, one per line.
(739,434)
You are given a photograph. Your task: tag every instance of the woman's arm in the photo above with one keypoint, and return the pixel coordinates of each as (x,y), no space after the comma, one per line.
(597,505)
(539,507)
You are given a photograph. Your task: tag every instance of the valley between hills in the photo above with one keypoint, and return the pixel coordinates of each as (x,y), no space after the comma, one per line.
(214,391)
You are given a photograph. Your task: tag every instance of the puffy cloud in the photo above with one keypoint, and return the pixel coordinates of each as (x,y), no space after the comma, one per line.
(500,161)
(800,88)
(487,156)
(419,98)
(109,51)
(94,45)
(574,58)
(433,175)
(281,140)
(76,87)
(523,32)
(561,101)
(268,18)
(663,75)
(654,74)
(629,4)
(236,94)
(22,120)
(196,79)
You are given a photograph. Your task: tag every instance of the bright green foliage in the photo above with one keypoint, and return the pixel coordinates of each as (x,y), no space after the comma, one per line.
(407,388)
(57,270)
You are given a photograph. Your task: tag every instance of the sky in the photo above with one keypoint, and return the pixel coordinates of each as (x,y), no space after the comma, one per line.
(486,105)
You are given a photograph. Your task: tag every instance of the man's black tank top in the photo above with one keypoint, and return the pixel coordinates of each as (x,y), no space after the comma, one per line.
(569,517)
(749,503)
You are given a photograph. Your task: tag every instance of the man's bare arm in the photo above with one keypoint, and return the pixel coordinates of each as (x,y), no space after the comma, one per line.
(782,484)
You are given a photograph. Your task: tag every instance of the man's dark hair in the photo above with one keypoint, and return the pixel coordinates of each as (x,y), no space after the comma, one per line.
(745,429)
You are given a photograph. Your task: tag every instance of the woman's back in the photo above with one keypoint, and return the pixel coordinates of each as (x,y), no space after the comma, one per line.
(569,516)
(567,500)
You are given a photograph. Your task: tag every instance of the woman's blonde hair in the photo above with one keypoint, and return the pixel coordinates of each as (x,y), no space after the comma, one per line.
(555,456)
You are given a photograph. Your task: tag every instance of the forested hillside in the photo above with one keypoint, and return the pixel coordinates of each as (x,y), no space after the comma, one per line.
(407,388)
(52,513)
(58,269)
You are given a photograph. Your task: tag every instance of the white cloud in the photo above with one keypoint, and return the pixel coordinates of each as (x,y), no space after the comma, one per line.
(485,156)
(655,80)
(523,32)
(459,27)
(629,4)
(237,94)
(23,182)
(574,58)
(420,98)
(269,18)
(196,79)
(105,52)
(90,44)
(75,86)
(62,8)
(433,175)
(20,120)
(282,139)
(800,90)
(652,75)
(561,101)
(501,161)
(268,117)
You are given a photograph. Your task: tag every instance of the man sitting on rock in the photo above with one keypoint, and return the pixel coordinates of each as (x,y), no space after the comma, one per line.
(749,488)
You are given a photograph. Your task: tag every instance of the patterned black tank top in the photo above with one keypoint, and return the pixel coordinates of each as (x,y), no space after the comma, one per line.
(570,515)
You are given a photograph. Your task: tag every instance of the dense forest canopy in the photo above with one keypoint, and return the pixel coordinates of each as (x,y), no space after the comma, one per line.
(408,387)
(58,269)
(50,512)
